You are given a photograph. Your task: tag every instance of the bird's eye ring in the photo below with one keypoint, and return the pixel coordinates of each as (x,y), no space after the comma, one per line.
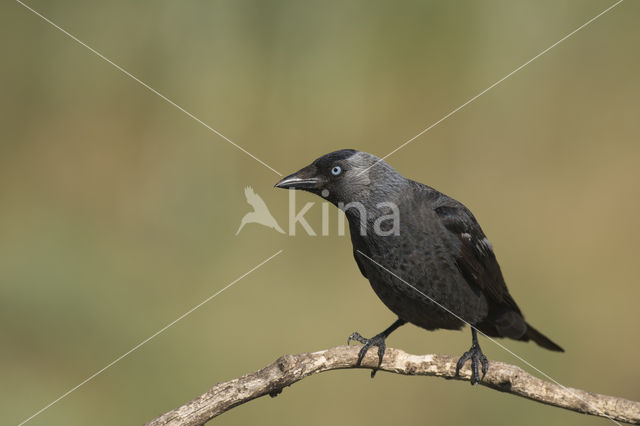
(336,170)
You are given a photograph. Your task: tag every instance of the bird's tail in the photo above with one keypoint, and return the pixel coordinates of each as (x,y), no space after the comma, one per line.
(541,339)
(241,226)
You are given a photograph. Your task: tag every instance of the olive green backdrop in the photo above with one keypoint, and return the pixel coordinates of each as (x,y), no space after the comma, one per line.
(118,211)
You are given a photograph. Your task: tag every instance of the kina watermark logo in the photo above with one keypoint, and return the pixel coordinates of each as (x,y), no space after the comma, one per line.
(382,220)
(260,214)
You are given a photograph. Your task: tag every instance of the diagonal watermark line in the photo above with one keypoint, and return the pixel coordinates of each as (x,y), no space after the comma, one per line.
(491,339)
(64,395)
(145,85)
(407,142)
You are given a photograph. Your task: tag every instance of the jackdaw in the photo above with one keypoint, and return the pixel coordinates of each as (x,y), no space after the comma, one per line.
(423,252)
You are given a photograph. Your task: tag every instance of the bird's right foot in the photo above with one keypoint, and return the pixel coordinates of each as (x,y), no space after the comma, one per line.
(377,340)
(477,358)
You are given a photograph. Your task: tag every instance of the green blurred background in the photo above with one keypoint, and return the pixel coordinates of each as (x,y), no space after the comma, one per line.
(118,211)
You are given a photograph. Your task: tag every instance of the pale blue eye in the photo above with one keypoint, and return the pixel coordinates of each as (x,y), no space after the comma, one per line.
(336,170)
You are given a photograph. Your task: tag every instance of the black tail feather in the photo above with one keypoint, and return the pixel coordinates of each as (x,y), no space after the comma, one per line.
(540,339)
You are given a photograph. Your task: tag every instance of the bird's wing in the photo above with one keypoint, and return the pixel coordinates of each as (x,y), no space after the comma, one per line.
(476,260)
(254,200)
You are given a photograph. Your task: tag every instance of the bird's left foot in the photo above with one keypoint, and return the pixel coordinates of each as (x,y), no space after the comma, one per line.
(377,340)
(477,358)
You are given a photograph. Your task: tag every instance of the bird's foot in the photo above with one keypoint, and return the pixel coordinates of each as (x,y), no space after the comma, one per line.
(377,340)
(477,357)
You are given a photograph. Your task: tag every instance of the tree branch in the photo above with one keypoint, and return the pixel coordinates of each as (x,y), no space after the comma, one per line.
(289,369)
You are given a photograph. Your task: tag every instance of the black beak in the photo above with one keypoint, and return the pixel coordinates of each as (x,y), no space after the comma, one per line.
(302,179)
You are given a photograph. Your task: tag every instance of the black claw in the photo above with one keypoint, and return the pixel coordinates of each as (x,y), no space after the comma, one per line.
(465,356)
(377,340)
(361,354)
(476,372)
(357,337)
(477,359)
(485,366)
(381,348)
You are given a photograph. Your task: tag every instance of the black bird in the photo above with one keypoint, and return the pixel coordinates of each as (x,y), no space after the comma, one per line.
(423,252)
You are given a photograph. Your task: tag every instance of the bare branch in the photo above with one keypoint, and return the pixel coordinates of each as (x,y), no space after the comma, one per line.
(289,369)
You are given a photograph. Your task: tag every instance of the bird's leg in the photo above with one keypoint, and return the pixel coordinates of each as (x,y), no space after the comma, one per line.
(377,340)
(476,356)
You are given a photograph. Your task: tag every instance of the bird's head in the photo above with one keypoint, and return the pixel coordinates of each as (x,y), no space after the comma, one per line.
(345,176)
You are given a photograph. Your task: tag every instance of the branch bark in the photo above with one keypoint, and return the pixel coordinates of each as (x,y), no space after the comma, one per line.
(289,369)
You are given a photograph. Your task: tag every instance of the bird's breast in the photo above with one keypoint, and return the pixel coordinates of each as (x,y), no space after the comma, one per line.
(417,278)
